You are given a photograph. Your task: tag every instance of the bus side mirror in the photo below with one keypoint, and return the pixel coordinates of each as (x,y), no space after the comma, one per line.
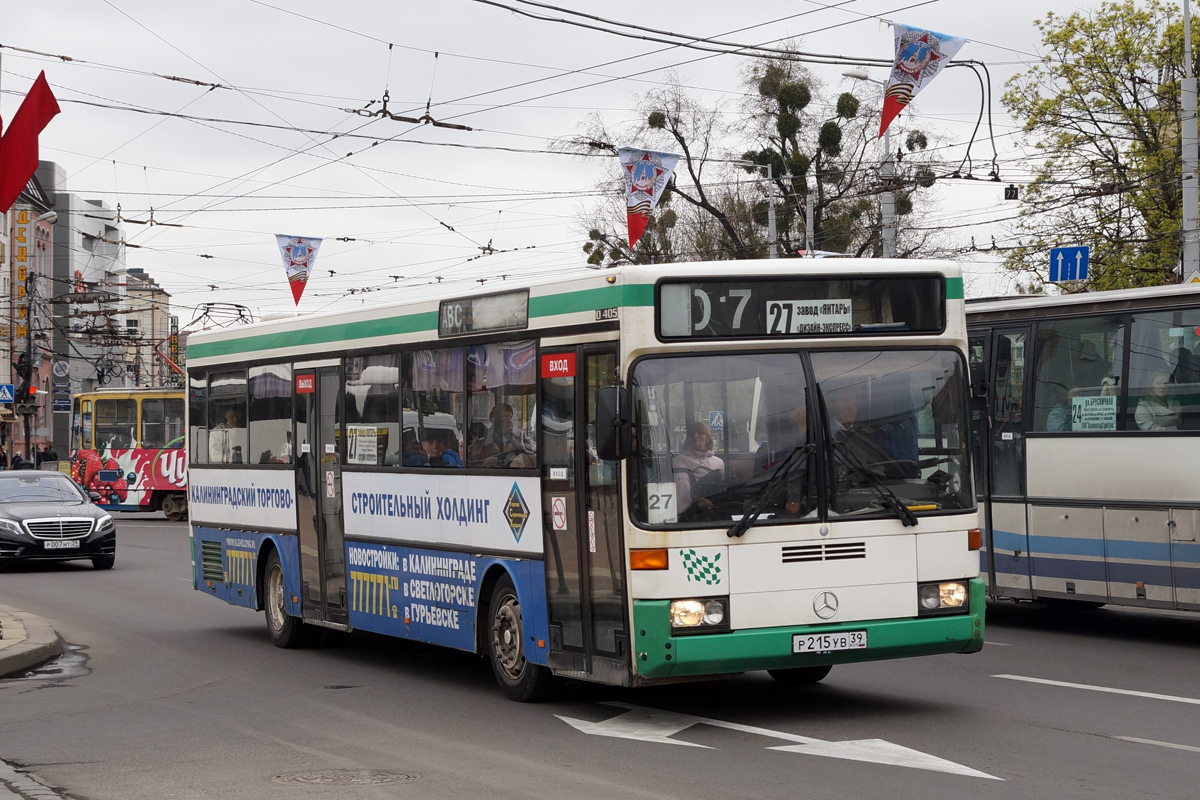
(613,428)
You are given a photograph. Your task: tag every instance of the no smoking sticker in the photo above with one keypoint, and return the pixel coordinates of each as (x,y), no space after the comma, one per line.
(558,513)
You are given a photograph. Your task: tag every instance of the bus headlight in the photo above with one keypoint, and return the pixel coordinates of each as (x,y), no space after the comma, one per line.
(700,615)
(944,597)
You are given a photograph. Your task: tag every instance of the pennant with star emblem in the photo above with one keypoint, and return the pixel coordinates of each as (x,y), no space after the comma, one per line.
(299,253)
(646,175)
(920,56)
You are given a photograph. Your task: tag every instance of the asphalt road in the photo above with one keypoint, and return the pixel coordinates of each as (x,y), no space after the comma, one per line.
(169,693)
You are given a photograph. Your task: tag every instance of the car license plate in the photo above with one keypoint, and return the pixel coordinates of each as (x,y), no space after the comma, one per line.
(63,544)
(829,642)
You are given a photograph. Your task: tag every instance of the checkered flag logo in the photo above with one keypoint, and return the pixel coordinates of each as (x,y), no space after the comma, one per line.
(701,569)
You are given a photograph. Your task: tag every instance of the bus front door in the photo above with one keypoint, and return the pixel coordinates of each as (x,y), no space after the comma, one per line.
(319,496)
(585,575)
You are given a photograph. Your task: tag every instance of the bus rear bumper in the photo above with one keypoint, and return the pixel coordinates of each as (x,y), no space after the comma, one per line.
(658,654)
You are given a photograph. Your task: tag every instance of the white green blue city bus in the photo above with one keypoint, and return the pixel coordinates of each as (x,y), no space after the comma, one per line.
(1086,418)
(634,476)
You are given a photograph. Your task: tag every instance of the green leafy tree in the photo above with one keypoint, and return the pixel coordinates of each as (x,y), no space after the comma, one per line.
(1102,111)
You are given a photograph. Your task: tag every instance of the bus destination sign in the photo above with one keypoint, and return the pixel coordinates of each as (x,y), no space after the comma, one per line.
(810,305)
(497,312)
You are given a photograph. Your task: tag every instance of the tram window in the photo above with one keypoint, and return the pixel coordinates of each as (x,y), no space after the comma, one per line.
(271,414)
(227,417)
(437,381)
(1079,366)
(116,424)
(1164,372)
(162,422)
(198,418)
(373,410)
(502,379)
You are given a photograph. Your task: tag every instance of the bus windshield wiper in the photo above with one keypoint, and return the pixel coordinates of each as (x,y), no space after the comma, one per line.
(887,497)
(786,467)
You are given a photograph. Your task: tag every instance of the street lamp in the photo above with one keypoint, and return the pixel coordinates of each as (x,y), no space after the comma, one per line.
(887,172)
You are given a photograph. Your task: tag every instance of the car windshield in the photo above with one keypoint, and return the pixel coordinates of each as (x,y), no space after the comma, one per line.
(718,439)
(38,488)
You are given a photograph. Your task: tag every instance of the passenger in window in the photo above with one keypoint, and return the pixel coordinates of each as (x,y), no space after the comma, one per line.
(699,472)
(477,443)
(508,442)
(441,447)
(1155,411)
(413,455)
(1059,418)
(224,436)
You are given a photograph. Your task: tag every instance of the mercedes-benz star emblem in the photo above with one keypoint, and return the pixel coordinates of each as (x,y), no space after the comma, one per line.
(825,605)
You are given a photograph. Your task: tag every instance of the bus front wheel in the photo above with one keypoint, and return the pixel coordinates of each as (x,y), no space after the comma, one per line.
(286,631)
(800,676)
(520,679)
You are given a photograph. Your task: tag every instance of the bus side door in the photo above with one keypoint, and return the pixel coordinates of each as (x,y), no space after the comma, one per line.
(585,575)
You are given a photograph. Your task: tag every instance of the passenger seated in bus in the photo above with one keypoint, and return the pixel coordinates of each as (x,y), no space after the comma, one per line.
(1155,411)
(413,455)
(699,472)
(441,447)
(508,442)
(224,436)
(477,434)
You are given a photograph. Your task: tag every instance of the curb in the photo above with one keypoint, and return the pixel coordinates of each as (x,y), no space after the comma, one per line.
(28,642)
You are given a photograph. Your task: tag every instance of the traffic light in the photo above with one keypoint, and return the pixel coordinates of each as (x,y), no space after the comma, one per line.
(22,393)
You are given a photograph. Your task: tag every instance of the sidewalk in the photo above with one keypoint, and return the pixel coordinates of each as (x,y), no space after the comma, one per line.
(26,641)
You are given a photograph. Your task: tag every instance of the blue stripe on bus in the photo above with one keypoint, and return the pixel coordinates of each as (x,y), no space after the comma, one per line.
(1163,552)
(1044,567)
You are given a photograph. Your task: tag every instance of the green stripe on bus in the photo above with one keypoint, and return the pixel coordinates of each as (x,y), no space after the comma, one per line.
(548,306)
(954,288)
(388,326)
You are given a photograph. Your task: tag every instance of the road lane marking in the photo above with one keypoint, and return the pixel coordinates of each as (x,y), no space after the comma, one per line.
(1159,744)
(1106,689)
(655,725)
(998,644)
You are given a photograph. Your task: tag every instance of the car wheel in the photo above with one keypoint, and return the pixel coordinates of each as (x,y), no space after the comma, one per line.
(286,631)
(104,562)
(800,676)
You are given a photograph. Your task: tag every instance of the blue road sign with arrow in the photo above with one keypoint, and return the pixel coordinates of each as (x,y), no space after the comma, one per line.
(1068,264)
(6,393)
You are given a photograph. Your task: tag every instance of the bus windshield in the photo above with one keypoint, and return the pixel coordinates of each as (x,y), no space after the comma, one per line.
(719,437)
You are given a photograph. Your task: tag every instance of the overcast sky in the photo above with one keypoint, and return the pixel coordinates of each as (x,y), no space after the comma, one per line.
(521,83)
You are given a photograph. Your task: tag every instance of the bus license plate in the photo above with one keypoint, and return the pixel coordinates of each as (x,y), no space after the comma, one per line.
(829,642)
(65,544)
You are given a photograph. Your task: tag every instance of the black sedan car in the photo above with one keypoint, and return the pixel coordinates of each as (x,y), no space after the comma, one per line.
(46,516)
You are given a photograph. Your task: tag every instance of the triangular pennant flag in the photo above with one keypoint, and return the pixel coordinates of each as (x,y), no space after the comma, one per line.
(19,147)
(646,175)
(299,253)
(920,56)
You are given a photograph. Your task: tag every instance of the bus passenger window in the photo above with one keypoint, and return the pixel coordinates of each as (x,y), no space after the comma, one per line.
(116,424)
(271,414)
(437,381)
(1164,372)
(227,418)
(503,408)
(198,418)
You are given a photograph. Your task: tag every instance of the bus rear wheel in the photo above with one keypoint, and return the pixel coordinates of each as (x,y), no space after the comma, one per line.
(520,679)
(800,676)
(286,631)
(174,506)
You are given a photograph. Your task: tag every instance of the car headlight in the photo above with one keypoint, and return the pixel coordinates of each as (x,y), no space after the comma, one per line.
(105,522)
(8,526)
(944,597)
(700,615)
